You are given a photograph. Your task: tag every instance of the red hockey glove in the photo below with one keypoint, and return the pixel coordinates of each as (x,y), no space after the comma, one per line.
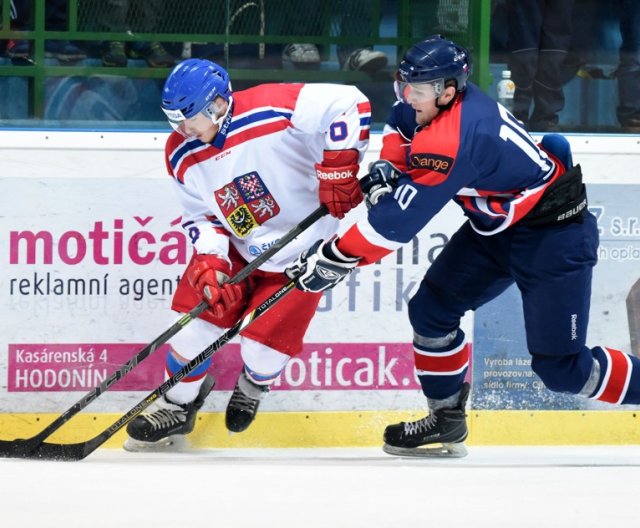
(339,186)
(207,274)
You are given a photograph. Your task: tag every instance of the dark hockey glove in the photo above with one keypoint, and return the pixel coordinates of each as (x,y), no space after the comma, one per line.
(339,189)
(382,179)
(207,274)
(321,267)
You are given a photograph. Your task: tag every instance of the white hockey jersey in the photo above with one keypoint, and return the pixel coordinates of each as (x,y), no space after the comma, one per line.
(256,180)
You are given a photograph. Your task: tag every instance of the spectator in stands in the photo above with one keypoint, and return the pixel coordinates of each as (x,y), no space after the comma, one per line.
(355,21)
(539,41)
(449,18)
(117,18)
(285,19)
(56,19)
(628,72)
(17,22)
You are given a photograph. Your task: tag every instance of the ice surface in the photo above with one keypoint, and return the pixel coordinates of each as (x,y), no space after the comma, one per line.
(542,487)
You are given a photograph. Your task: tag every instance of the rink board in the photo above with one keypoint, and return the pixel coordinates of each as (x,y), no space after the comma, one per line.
(355,375)
(358,429)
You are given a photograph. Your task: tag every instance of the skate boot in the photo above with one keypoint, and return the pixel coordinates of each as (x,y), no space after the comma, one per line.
(243,405)
(441,433)
(157,429)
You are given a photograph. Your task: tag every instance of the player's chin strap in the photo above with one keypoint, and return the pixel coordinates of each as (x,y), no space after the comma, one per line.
(35,447)
(219,120)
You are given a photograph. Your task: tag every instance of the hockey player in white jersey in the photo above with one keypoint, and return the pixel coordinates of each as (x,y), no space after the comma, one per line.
(248,166)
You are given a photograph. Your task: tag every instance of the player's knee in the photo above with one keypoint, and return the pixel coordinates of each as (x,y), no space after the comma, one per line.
(416,311)
(562,373)
(194,338)
(262,360)
(429,314)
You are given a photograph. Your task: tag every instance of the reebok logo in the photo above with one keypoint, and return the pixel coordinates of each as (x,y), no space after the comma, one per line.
(334,175)
(574,327)
(327,273)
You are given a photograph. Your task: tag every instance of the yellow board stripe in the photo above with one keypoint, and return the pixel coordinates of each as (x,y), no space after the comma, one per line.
(358,428)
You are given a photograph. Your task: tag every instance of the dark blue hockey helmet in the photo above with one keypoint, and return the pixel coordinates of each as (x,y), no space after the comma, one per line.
(434,61)
(192,87)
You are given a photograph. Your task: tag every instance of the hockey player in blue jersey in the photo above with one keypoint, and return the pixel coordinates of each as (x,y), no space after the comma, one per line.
(527,224)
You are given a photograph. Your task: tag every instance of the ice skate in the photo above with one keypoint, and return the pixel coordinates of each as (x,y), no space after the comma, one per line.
(164,428)
(440,434)
(243,405)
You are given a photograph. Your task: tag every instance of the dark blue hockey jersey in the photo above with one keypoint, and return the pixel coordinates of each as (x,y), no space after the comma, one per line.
(475,153)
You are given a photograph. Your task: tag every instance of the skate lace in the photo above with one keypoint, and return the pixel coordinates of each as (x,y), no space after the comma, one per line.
(240,400)
(165,418)
(420,426)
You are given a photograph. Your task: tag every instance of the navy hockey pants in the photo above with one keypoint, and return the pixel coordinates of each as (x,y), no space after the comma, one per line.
(552,267)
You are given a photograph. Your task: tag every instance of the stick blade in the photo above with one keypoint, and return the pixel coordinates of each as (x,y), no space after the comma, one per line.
(14,448)
(26,449)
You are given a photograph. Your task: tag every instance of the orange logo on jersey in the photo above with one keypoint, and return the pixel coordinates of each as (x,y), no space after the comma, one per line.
(246,203)
(434,162)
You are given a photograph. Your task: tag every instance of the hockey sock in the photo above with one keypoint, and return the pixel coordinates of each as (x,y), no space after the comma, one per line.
(441,369)
(618,377)
(187,390)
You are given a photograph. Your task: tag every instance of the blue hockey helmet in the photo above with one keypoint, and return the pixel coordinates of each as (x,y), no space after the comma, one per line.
(192,87)
(433,62)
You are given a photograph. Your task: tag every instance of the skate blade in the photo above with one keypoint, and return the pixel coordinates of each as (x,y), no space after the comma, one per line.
(457,450)
(170,444)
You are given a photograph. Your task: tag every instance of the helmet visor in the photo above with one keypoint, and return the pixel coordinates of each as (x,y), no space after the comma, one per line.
(180,123)
(418,92)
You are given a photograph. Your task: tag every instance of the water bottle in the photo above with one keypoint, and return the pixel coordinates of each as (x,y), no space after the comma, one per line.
(506,89)
(186,50)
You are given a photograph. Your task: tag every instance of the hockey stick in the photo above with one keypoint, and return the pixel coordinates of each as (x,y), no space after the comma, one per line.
(21,447)
(69,452)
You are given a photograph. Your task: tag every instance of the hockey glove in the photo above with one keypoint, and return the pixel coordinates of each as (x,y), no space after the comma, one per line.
(339,188)
(382,179)
(207,274)
(321,267)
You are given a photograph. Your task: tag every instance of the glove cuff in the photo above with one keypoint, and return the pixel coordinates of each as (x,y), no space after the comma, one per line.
(340,158)
(330,250)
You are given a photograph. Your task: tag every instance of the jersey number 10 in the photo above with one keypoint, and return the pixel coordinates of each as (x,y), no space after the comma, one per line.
(511,130)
